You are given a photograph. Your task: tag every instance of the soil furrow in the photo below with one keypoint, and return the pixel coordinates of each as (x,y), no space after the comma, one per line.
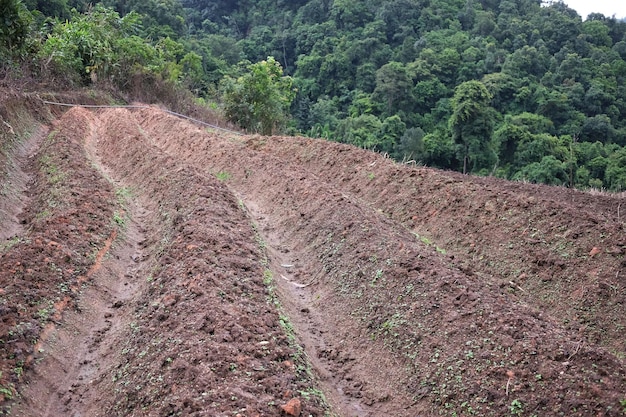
(451,337)
(15,186)
(68,221)
(204,339)
(80,351)
(558,249)
(313,328)
(254,276)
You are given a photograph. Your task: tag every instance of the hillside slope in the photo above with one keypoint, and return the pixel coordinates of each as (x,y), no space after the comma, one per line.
(156,268)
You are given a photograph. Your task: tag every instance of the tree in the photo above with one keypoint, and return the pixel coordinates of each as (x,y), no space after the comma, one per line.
(506,139)
(14,27)
(193,72)
(52,8)
(393,86)
(439,150)
(412,144)
(427,93)
(615,176)
(391,132)
(471,124)
(533,148)
(82,45)
(350,14)
(598,128)
(549,171)
(259,100)
(161,18)
(597,33)
(362,131)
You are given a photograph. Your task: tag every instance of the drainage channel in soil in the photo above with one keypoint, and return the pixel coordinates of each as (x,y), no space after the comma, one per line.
(15,187)
(74,354)
(355,380)
(81,349)
(301,303)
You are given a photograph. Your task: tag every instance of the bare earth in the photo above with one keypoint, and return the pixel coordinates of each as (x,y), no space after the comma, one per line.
(149,267)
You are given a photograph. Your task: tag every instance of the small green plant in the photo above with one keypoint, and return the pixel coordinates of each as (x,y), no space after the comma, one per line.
(517,408)
(370,175)
(53,173)
(123,193)
(623,404)
(9,243)
(43,314)
(119,218)
(7,392)
(43,215)
(19,369)
(313,392)
(223,176)
(378,275)
(389,326)
(287,326)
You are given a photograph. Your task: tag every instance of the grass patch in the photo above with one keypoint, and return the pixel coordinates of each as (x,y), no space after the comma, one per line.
(5,246)
(124,195)
(53,174)
(120,218)
(223,176)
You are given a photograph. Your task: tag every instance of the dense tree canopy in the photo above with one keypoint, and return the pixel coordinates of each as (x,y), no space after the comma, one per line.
(471,124)
(14,27)
(511,88)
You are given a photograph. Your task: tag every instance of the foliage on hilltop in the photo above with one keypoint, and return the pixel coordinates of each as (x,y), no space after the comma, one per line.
(511,88)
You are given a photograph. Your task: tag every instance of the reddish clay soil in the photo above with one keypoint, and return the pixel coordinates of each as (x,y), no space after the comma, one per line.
(153,268)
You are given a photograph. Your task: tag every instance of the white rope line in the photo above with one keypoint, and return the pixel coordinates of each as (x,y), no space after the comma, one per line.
(135,106)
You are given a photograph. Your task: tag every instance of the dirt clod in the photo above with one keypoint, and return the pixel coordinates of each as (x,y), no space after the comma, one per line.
(292,408)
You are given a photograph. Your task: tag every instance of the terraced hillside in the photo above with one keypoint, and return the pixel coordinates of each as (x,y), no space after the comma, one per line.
(150,267)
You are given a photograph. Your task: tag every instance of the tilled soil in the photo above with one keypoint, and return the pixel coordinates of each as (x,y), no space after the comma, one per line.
(162,269)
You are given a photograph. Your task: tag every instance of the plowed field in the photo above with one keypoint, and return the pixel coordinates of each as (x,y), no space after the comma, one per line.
(150,267)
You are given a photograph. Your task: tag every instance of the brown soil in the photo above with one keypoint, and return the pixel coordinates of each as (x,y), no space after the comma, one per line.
(154,268)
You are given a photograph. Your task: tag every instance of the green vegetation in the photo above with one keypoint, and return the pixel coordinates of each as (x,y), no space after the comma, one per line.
(8,244)
(7,392)
(124,195)
(259,99)
(120,219)
(14,30)
(223,176)
(517,408)
(515,89)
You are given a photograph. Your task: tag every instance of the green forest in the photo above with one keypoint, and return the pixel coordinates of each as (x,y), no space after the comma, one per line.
(511,88)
